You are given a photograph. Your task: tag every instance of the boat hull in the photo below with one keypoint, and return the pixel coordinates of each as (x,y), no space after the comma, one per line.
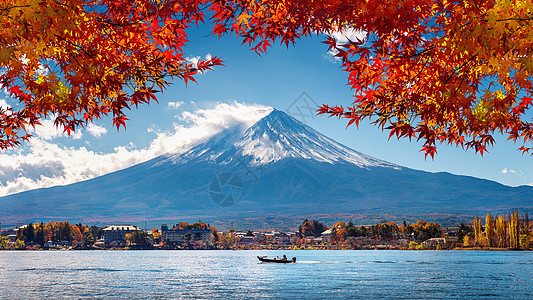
(277,261)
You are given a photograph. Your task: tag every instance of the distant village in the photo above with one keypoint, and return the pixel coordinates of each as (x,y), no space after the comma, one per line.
(488,233)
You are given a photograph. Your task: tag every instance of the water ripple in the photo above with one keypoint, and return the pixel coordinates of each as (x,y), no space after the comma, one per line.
(239,275)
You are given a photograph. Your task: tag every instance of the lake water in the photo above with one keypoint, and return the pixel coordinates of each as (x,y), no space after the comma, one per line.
(239,275)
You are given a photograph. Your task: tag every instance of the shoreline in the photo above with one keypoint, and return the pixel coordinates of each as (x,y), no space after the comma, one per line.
(269,249)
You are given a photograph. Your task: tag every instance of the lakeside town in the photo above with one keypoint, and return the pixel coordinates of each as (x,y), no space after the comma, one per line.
(504,232)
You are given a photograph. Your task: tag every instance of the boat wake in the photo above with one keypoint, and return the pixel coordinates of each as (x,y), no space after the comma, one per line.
(322,262)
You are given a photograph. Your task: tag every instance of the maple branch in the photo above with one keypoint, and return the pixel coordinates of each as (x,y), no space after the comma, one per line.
(117,24)
(74,56)
(75,45)
(515,19)
(431,47)
(459,68)
(458,87)
(16,6)
(113,40)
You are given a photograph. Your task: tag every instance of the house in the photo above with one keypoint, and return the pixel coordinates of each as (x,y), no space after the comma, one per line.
(184,235)
(327,236)
(445,243)
(243,239)
(10,233)
(284,238)
(452,231)
(117,233)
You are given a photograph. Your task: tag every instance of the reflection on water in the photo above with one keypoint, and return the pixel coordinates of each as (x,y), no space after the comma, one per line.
(238,274)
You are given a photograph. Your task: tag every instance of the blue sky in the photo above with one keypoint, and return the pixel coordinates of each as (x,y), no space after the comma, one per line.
(245,83)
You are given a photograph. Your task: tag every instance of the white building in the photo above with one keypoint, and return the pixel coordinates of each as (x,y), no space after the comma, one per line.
(118,232)
(185,235)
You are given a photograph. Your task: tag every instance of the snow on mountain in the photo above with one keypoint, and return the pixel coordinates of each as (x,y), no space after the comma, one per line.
(275,137)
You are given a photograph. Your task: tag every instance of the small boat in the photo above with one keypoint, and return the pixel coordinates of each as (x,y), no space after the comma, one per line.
(276,260)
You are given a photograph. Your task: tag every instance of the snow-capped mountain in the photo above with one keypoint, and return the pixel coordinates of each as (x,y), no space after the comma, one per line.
(276,168)
(273,138)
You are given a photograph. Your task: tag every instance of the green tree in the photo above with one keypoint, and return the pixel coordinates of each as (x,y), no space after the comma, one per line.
(463,230)
(29,233)
(96,232)
(65,231)
(139,237)
(89,238)
(197,236)
(40,233)
(228,240)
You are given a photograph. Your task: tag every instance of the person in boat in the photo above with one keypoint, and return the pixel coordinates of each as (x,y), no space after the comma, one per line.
(284,257)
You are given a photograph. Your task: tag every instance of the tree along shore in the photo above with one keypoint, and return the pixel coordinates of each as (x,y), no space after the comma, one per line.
(504,232)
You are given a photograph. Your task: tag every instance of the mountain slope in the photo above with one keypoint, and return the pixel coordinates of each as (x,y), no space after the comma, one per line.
(281,166)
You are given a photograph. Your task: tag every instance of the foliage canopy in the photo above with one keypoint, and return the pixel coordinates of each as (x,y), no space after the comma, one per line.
(445,71)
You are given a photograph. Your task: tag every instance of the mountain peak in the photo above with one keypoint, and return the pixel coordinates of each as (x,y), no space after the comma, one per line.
(274,137)
(279,135)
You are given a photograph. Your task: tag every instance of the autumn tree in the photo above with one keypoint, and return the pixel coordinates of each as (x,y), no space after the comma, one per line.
(312,228)
(215,237)
(489,230)
(137,237)
(467,240)
(478,231)
(424,230)
(453,72)
(514,230)
(526,223)
(77,236)
(501,231)
(526,240)
(4,242)
(64,231)
(20,245)
(79,60)
(227,240)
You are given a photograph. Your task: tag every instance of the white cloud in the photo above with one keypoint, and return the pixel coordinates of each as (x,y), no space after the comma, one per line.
(3,104)
(508,171)
(342,37)
(42,163)
(95,130)
(175,105)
